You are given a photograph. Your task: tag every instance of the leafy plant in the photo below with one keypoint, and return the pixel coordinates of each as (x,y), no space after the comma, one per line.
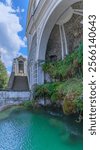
(28,104)
(67,83)
(3,76)
(79,104)
(70,67)
(67,92)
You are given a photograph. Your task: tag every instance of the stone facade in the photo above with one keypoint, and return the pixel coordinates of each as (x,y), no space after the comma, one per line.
(19,66)
(10,97)
(18,80)
(56,26)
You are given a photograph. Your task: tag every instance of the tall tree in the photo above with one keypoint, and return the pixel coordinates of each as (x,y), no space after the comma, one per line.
(3,76)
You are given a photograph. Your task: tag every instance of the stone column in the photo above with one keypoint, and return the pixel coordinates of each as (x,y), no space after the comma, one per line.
(40,72)
(34,73)
(30,75)
(63,41)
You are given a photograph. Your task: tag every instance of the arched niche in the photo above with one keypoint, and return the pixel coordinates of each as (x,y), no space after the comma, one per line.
(50,23)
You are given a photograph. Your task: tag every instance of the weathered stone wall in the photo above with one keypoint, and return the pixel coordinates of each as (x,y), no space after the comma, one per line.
(10,97)
(74,32)
(78,5)
(54,45)
(74,28)
(74,35)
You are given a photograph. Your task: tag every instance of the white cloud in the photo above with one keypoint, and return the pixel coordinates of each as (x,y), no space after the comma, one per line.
(22,10)
(10,41)
(19,10)
(25,39)
(9,2)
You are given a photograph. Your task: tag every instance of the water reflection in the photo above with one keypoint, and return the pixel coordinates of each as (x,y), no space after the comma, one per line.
(24,130)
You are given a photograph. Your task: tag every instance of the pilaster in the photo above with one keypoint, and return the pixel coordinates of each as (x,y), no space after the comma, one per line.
(63,41)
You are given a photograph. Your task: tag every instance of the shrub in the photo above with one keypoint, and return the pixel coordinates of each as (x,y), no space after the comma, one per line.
(28,104)
(45,90)
(67,92)
(68,88)
(70,67)
(3,76)
(79,104)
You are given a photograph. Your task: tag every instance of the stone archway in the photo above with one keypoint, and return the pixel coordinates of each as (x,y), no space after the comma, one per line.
(49,24)
(54,17)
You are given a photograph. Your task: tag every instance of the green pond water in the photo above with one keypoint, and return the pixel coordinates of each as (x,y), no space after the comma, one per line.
(26,130)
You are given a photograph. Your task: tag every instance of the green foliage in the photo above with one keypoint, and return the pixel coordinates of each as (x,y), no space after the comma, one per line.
(69,107)
(72,103)
(67,92)
(72,85)
(79,104)
(3,76)
(68,87)
(70,91)
(28,104)
(70,67)
(45,90)
(80,54)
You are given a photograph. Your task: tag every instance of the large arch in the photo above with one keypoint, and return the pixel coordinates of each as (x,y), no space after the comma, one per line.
(49,24)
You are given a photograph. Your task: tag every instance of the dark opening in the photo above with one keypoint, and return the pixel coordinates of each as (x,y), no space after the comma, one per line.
(21,67)
(53,58)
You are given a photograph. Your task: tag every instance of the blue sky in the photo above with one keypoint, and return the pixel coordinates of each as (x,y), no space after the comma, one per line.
(23,4)
(13,14)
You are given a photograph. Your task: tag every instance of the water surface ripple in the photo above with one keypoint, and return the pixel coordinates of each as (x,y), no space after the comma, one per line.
(25,130)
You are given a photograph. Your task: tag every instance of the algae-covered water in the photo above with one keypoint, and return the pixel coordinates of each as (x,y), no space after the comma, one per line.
(25,130)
